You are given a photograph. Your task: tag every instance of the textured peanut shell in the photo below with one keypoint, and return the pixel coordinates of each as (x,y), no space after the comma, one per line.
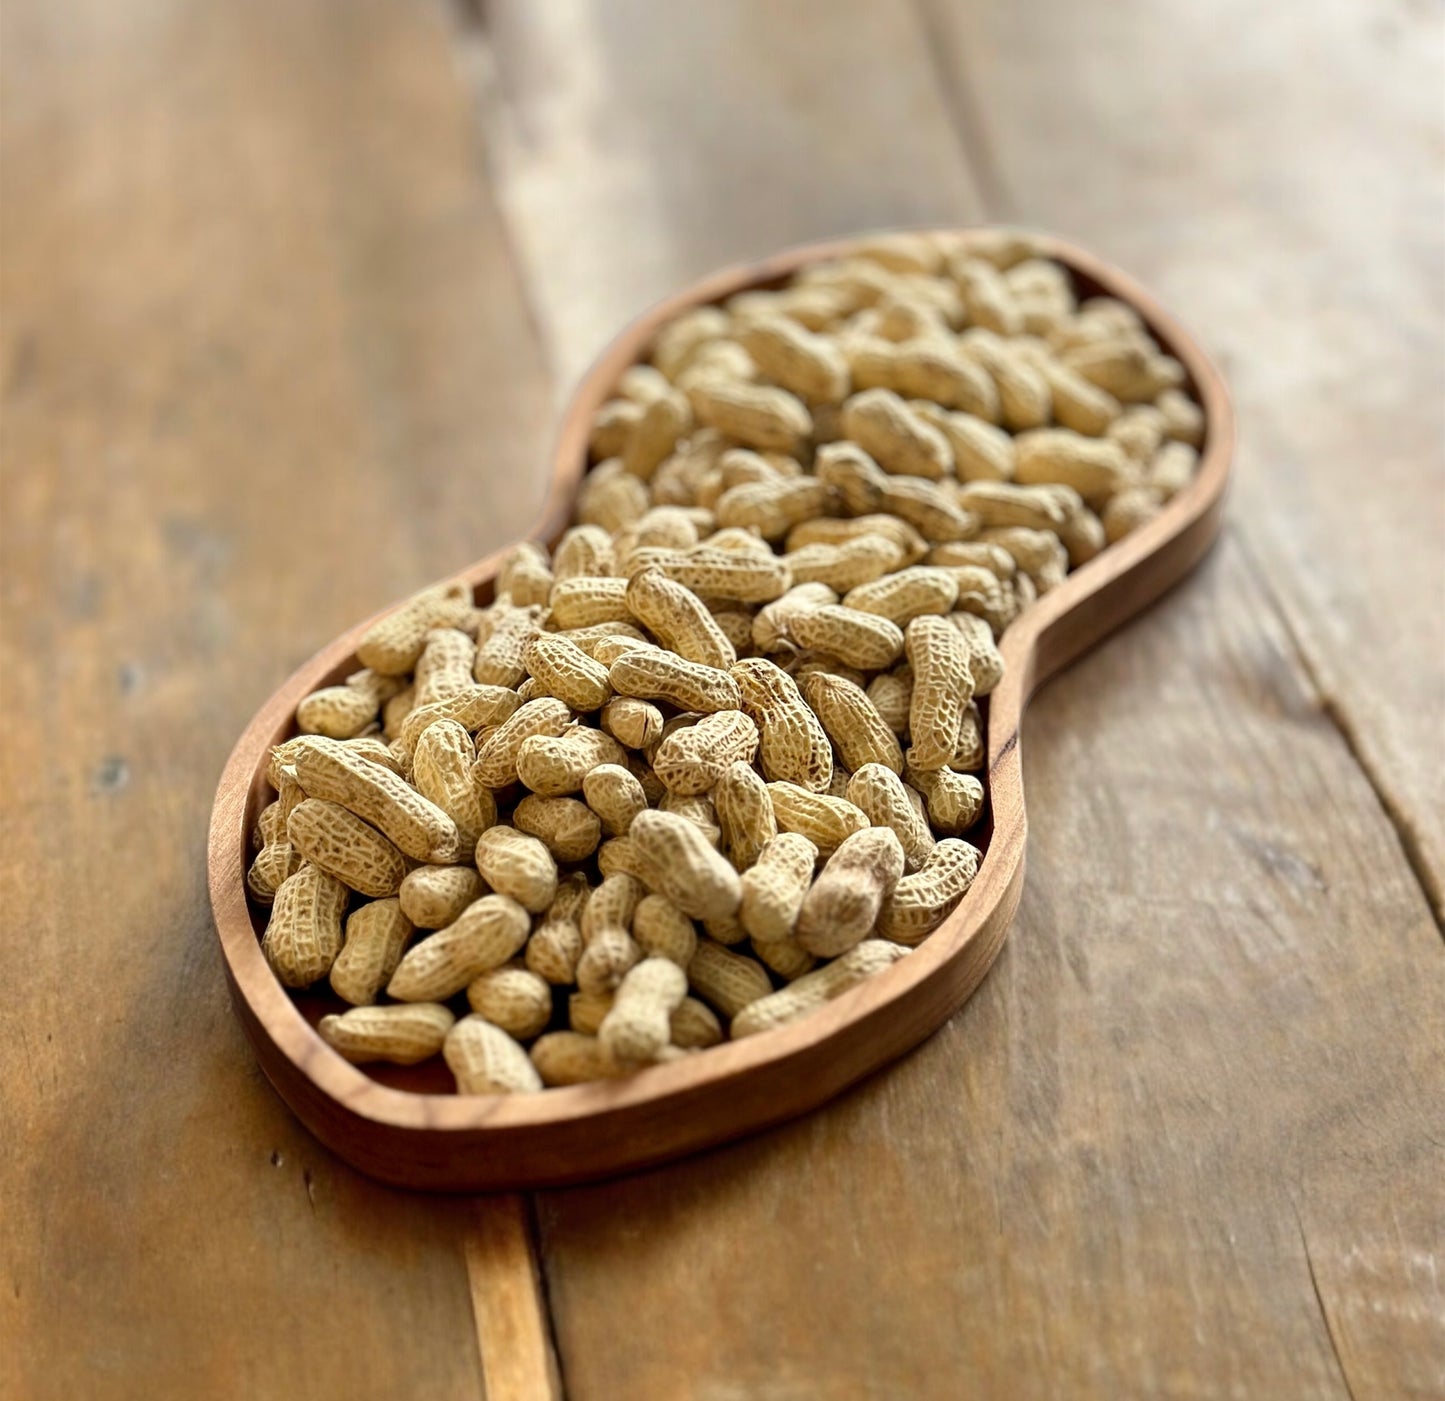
(443,770)
(922,901)
(677,617)
(632,722)
(343,712)
(515,999)
(420,829)
(484,936)
(793,746)
(682,865)
(376,935)
(890,432)
(881,795)
(473,709)
(690,761)
(655,675)
(304,935)
(556,765)
(955,800)
(727,981)
(744,813)
(714,570)
(694,1025)
(906,594)
(942,686)
(785,957)
(814,989)
(517,865)
(842,905)
(615,795)
(858,731)
(572,1058)
(774,886)
(638,1024)
(758,416)
(570,829)
(857,639)
(587,1008)
(431,897)
(444,667)
(486,1061)
(847,564)
(560,668)
(826,821)
(496,765)
(499,659)
(392,645)
(663,931)
(402,1035)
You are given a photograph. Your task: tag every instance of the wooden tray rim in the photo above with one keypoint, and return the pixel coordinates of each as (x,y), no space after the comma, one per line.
(239,790)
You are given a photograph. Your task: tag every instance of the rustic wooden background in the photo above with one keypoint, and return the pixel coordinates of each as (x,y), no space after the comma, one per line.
(291,292)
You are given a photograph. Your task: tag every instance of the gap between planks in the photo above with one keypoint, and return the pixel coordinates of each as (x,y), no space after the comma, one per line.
(965,118)
(519,1361)
(505,1280)
(1411,842)
(970,130)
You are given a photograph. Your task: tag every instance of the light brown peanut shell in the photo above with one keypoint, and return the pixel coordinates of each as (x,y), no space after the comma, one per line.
(774,886)
(880,794)
(727,981)
(431,897)
(793,746)
(922,901)
(326,769)
(852,721)
(690,761)
(486,1061)
(682,865)
(402,1035)
(376,934)
(942,685)
(842,906)
(826,821)
(570,829)
(484,936)
(814,989)
(517,865)
(744,813)
(656,675)
(513,998)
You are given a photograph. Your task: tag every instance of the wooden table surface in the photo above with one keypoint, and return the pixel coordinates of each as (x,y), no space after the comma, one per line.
(291,292)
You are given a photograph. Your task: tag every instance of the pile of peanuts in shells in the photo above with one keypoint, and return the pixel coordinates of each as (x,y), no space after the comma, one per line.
(713,760)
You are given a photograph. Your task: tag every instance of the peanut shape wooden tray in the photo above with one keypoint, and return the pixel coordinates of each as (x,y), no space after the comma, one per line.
(406,1127)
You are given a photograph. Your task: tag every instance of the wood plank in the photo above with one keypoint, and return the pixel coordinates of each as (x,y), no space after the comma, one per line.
(686,137)
(518,1362)
(1208,1169)
(1198,1087)
(1275,176)
(265,367)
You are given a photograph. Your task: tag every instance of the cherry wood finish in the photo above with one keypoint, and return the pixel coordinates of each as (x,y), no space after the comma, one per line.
(393,1126)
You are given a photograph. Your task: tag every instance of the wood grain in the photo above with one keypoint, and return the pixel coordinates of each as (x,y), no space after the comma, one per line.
(518,1363)
(803,123)
(1204,1065)
(1276,177)
(263,367)
(1186,1139)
